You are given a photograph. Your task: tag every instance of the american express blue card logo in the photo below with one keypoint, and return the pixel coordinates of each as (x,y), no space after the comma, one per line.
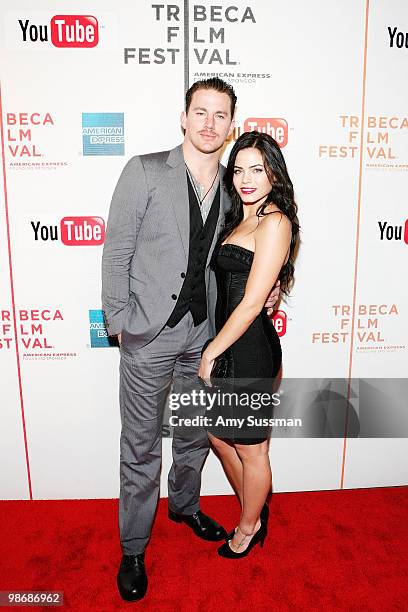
(103,134)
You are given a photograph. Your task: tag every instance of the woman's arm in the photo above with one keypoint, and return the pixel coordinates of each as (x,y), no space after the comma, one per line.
(272,241)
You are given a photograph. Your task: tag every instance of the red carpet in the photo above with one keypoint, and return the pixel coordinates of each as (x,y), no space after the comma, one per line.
(331,550)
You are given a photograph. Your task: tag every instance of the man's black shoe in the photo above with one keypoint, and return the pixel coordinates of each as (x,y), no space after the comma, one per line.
(132,579)
(203,526)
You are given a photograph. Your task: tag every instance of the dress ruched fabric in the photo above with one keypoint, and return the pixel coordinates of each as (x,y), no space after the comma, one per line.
(252,362)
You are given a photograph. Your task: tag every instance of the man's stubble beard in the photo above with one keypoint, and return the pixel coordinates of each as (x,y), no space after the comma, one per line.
(209,151)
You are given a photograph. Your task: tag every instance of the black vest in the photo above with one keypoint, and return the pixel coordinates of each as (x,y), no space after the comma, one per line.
(193,296)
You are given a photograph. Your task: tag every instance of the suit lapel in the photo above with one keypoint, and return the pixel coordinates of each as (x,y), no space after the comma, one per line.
(221,213)
(178,194)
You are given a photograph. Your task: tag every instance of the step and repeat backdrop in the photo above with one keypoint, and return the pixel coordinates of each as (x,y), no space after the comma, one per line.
(84,87)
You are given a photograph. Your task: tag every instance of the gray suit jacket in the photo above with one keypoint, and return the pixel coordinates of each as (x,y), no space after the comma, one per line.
(146,245)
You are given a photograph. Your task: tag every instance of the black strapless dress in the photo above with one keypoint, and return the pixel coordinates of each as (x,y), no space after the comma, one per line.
(252,362)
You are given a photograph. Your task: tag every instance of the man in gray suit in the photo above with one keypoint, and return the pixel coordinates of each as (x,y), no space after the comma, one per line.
(159,295)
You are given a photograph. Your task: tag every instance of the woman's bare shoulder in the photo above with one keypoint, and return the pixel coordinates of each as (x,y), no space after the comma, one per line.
(274,220)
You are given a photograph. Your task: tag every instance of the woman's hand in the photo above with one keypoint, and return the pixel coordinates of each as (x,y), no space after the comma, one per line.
(206,365)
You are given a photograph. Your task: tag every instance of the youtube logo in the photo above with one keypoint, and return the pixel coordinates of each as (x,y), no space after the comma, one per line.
(74,31)
(279,319)
(63,31)
(72,231)
(277,128)
(389,231)
(82,231)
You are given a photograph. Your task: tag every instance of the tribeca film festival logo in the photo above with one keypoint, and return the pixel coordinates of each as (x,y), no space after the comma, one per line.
(103,134)
(393,232)
(202,35)
(371,322)
(275,127)
(97,330)
(72,231)
(383,140)
(22,145)
(63,31)
(32,332)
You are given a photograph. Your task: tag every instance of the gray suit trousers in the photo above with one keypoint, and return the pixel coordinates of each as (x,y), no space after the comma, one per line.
(146,374)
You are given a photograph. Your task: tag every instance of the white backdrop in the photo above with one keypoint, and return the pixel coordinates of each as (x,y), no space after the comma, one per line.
(330,75)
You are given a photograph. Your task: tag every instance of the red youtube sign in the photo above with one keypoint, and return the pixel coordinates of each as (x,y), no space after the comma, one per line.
(275,127)
(82,231)
(279,320)
(74,31)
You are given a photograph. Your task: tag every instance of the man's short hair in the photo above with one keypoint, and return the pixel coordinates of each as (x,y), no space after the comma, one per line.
(216,84)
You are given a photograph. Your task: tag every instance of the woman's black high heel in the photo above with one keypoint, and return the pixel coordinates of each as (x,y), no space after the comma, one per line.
(264,516)
(259,537)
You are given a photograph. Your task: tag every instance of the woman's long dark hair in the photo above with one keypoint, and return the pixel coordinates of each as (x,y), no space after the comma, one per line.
(281,194)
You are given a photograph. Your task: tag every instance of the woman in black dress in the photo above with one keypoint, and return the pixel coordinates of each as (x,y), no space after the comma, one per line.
(256,248)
